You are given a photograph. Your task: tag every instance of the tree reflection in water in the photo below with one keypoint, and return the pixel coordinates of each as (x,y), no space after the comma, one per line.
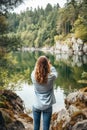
(16,68)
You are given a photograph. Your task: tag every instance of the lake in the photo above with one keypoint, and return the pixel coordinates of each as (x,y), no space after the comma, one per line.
(70,69)
(27,95)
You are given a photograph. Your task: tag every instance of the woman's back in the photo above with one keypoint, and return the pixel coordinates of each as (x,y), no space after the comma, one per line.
(44,93)
(43,78)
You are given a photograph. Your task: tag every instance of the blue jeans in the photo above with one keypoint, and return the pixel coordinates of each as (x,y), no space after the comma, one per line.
(46,118)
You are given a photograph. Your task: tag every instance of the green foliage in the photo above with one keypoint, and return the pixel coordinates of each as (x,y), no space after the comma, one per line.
(3,24)
(68,17)
(5,41)
(35,27)
(5,65)
(83,78)
(58,37)
(39,27)
(6,5)
(10,42)
(81,28)
(84,75)
(3,77)
(48,8)
(13,72)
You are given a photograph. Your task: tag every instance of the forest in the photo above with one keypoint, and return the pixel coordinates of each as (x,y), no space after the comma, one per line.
(36,28)
(42,27)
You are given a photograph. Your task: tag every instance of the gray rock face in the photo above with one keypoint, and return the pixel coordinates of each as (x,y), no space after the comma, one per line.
(74,117)
(80,125)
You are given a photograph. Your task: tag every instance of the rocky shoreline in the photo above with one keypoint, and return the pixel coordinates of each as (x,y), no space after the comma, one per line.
(71,46)
(14,117)
(74,117)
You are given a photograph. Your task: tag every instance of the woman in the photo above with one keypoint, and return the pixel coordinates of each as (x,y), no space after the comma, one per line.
(43,77)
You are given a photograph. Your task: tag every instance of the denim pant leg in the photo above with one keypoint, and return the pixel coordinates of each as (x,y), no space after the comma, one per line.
(47,118)
(37,117)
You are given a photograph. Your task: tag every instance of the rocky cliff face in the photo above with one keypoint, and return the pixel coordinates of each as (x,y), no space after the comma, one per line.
(12,116)
(74,117)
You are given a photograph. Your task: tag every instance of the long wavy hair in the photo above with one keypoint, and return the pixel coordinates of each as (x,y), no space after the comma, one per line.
(42,69)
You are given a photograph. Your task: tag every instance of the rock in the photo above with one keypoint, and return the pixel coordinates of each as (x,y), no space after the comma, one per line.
(82,125)
(12,115)
(64,116)
(72,109)
(2,122)
(85,48)
(13,101)
(74,117)
(79,99)
(7,122)
(17,125)
(73,97)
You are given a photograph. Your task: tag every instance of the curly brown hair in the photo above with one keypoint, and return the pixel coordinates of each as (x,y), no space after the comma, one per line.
(42,70)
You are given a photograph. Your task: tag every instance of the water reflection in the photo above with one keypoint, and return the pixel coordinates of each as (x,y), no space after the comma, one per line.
(69,72)
(60,96)
(74,59)
(18,70)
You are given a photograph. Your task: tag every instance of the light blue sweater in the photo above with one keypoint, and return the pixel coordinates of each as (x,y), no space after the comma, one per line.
(44,94)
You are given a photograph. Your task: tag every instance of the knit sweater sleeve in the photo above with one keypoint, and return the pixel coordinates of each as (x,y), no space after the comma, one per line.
(53,72)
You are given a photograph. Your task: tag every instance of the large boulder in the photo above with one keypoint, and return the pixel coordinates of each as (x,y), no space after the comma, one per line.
(12,115)
(81,125)
(75,114)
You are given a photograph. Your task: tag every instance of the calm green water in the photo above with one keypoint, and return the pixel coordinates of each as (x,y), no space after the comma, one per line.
(70,69)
